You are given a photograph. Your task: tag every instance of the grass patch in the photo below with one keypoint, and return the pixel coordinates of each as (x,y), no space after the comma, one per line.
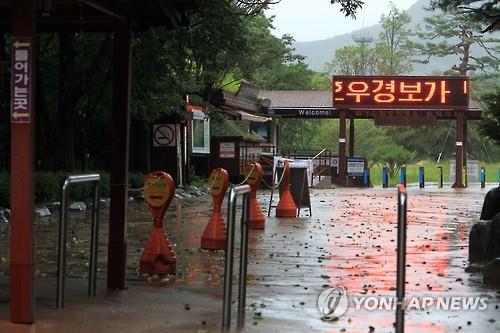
(432,173)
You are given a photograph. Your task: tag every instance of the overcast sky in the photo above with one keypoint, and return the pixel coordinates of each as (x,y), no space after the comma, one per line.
(309,20)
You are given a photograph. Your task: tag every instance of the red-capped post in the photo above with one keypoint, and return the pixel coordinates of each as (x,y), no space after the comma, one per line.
(158,257)
(254,174)
(215,235)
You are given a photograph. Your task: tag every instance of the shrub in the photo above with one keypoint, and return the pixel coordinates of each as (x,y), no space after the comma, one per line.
(47,186)
(4,189)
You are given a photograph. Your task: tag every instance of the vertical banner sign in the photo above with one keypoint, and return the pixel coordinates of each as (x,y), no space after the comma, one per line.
(21,81)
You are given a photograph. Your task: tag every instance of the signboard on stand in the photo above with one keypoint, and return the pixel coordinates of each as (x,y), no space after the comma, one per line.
(355,166)
(472,170)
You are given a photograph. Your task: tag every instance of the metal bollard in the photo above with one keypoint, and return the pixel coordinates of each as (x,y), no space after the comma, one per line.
(401,259)
(440,176)
(228,268)
(402,176)
(421,177)
(63,223)
(385,177)
(482,177)
(366,177)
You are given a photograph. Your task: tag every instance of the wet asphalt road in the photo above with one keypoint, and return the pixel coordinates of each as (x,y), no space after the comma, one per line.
(349,241)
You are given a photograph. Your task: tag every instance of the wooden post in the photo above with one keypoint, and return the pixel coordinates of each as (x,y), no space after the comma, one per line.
(351,136)
(117,246)
(459,147)
(342,152)
(22,295)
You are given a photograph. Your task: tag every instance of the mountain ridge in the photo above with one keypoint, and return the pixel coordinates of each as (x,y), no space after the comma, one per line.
(319,52)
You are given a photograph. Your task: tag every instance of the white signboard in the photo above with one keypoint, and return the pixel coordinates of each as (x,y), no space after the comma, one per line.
(164,135)
(278,162)
(355,166)
(227,150)
(472,171)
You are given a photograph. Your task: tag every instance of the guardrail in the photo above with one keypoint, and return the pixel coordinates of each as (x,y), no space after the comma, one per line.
(63,223)
(401,259)
(243,190)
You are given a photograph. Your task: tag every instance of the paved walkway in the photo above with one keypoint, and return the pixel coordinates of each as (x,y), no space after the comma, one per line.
(349,241)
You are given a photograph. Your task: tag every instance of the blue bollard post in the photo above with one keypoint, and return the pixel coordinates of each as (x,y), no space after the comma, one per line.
(402,176)
(482,177)
(366,177)
(421,177)
(385,178)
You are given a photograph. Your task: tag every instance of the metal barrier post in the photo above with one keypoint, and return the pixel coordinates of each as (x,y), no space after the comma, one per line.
(483,177)
(228,268)
(63,223)
(366,177)
(402,176)
(242,293)
(385,177)
(440,176)
(421,177)
(401,259)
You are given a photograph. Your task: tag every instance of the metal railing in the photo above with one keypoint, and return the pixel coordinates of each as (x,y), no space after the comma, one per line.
(63,223)
(401,259)
(243,190)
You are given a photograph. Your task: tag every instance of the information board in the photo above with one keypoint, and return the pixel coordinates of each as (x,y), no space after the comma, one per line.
(355,166)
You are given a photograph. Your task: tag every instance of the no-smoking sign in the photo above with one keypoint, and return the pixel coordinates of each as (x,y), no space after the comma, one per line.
(163,135)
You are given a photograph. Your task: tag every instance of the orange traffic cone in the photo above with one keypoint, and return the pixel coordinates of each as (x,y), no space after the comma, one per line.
(158,257)
(254,173)
(215,236)
(286,206)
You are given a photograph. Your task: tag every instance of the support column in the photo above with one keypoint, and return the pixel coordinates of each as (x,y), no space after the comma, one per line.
(465,150)
(459,145)
(351,137)
(22,294)
(117,246)
(342,152)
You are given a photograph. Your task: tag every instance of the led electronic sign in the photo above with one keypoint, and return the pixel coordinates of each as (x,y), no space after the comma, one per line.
(400,92)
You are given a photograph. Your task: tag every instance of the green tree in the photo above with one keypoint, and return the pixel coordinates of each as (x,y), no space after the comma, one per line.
(349,7)
(485,12)
(353,60)
(392,49)
(490,124)
(392,156)
(455,33)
